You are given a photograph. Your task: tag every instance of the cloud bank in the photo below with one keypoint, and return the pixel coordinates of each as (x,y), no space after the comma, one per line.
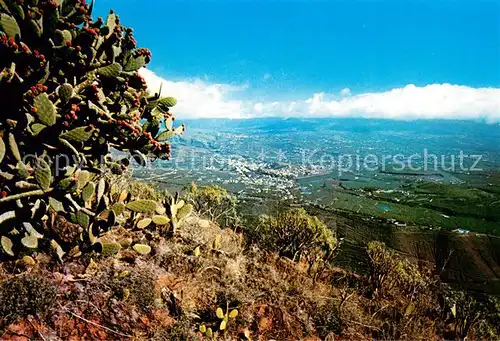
(198,99)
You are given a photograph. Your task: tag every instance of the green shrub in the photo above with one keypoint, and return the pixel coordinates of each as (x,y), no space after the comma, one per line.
(295,234)
(474,316)
(26,295)
(389,271)
(214,203)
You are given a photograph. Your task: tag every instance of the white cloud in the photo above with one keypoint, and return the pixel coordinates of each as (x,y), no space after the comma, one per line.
(197,98)
(444,101)
(345,92)
(266,76)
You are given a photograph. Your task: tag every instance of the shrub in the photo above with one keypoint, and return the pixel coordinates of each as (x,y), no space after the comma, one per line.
(295,234)
(70,91)
(327,320)
(388,271)
(26,295)
(214,203)
(472,314)
(136,286)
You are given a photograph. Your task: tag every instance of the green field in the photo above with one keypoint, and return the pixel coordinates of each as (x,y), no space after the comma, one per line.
(470,205)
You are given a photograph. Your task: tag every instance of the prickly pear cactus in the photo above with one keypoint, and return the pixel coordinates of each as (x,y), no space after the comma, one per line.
(177,211)
(69,92)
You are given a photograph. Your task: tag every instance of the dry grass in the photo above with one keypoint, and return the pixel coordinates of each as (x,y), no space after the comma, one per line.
(169,293)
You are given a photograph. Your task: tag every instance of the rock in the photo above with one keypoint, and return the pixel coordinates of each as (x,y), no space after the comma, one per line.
(203,223)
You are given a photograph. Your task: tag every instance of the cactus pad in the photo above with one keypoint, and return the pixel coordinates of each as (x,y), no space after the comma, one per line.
(57,249)
(169,123)
(36,128)
(142,249)
(167,134)
(80,134)
(13,147)
(118,208)
(46,111)
(63,37)
(143,223)
(110,71)
(184,211)
(219,313)
(88,191)
(111,22)
(9,25)
(31,230)
(142,206)
(83,178)
(165,103)
(7,246)
(43,174)
(82,219)
(28,260)
(2,149)
(30,242)
(135,64)
(223,325)
(110,249)
(65,92)
(160,220)
(56,204)
(111,218)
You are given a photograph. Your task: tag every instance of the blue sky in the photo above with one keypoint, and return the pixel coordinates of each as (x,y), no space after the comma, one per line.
(288,51)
